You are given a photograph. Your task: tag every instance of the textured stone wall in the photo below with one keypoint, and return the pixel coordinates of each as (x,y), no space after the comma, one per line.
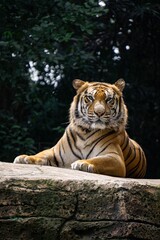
(39,202)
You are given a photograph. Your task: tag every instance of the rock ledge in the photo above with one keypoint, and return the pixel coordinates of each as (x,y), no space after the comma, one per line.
(39,202)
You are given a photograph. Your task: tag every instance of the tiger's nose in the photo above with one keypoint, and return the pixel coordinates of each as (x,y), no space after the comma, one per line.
(99,110)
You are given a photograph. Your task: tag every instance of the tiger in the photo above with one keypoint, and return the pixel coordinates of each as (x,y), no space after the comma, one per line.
(95,140)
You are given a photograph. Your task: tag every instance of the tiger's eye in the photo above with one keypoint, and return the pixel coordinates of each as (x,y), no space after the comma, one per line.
(88,98)
(109,100)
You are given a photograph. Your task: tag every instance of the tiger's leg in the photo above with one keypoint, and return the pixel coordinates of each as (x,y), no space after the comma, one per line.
(111,163)
(45,157)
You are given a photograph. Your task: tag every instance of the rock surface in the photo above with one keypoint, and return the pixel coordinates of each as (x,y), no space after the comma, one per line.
(44,203)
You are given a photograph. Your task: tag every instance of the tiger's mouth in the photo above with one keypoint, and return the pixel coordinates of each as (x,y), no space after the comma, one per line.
(99,123)
(100,120)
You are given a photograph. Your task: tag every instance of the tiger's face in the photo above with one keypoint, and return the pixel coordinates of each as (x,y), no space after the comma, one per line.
(98,105)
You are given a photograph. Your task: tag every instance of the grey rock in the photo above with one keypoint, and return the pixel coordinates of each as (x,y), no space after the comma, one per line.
(40,202)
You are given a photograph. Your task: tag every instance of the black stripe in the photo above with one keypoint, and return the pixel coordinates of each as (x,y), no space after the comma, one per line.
(142,169)
(85,91)
(108,152)
(63,147)
(76,112)
(103,149)
(70,145)
(60,153)
(124,138)
(117,103)
(98,140)
(90,136)
(81,106)
(132,159)
(92,133)
(123,149)
(103,136)
(114,136)
(140,172)
(70,131)
(49,162)
(129,153)
(56,161)
(133,171)
(74,140)
(80,136)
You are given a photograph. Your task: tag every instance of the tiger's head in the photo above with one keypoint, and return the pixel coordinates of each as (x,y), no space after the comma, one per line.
(98,105)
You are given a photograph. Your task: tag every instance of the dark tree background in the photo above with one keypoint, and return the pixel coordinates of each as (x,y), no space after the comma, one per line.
(46,44)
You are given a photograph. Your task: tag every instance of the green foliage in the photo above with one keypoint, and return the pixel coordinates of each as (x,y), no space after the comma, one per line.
(15,138)
(63,40)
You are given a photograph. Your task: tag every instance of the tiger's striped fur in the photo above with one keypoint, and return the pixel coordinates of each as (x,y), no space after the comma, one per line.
(95,140)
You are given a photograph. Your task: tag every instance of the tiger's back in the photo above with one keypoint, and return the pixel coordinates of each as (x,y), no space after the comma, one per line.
(135,160)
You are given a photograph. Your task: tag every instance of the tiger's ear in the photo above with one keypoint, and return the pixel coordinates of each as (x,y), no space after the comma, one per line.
(77,83)
(120,84)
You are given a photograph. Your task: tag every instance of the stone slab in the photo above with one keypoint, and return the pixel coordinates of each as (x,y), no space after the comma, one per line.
(41,202)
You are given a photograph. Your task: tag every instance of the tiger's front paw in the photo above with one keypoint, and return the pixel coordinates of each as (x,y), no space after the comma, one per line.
(25,159)
(20,159)
(83,165)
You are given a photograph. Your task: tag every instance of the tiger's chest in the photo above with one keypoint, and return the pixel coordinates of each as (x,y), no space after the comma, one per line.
(82,145)
(87,145)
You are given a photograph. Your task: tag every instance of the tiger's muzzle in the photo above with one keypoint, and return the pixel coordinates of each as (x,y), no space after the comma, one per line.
(99,109)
